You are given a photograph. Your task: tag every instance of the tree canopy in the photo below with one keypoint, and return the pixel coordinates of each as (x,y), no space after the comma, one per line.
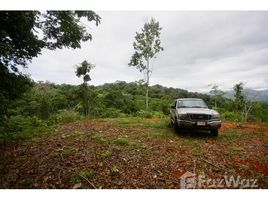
(147,44)
(23,34)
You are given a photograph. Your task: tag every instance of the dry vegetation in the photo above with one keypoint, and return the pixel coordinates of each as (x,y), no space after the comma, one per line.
(132,153)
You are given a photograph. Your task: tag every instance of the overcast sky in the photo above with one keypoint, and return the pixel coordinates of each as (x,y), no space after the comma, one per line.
(200,48)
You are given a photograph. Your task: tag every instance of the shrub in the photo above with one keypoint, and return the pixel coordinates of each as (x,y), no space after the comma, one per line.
(232,116)
(110,113)
(22,127)
(145,114)
(19,123)
(158,114)
(64,116)
(150,114)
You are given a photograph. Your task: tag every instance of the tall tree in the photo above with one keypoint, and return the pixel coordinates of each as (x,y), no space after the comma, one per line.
(83,70)
(146,46)
(217,94)
(239,98)
(23,34)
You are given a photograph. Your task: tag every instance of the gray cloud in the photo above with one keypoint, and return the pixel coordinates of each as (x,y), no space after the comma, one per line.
(200,47)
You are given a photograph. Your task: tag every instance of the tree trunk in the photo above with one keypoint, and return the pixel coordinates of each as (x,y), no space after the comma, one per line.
(85,100)
(147,84)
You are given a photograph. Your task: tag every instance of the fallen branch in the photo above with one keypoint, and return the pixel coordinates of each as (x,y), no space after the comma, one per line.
(210,163)
(88,181)
(62,159)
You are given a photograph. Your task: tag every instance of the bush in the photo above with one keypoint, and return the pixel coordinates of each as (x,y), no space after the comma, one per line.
(22,127)
(150,114)
(19,123)
(158,114)
(110,113)
(145,114)
(64,116)
(231,116)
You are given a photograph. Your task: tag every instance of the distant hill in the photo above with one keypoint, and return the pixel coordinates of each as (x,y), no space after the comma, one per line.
(254,95)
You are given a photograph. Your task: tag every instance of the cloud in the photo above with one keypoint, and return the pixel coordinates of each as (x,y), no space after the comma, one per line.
(200,47)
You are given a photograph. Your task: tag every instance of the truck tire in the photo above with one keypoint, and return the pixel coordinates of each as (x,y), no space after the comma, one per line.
(170,123)
(214,132)
(176,126)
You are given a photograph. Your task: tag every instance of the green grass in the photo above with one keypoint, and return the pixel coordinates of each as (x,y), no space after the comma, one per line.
(106,154)
(196,151)
(128,122)
(76,133)
(232,135)
(258,133)
(139,147)
(79,176)
(99,137)
(68,151)
(28,133)
(121,141)
(234,151)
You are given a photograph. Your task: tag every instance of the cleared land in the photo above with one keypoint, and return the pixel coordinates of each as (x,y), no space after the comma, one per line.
(132,153)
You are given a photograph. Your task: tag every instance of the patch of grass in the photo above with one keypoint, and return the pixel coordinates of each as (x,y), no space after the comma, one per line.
(28,133)
(68,151)
(156,124)
(258,133)
(106,154)
(196,151)
(127,122)
(27,181)
(76,133)
(114,169)
(234,151)
(159,133)
(237,149)
(232,135)
(139,147)
(79,176)
(121,141)
(99,137)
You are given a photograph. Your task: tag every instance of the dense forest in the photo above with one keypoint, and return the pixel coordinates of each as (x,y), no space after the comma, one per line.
(46,104)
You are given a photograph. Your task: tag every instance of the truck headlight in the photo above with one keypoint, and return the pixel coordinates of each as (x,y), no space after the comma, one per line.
(215,117)
(183,116)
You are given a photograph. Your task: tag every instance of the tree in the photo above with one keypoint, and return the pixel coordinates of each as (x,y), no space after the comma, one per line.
(239,98)
(217,93)
(242,103)
(23,34)
(146,45)
(83,70)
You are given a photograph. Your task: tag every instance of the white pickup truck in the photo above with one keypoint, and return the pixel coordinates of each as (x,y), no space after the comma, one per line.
(193,113)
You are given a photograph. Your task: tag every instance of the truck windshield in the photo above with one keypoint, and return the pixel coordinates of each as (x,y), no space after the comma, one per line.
(191,103)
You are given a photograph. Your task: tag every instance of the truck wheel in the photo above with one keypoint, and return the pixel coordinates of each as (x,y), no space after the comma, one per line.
(176,126)
(170,123)
(214,132)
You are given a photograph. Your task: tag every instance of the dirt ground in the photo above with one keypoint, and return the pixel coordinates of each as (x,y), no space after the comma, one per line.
(137,153)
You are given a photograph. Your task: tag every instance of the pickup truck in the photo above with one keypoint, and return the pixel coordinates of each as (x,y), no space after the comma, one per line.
(193,113)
